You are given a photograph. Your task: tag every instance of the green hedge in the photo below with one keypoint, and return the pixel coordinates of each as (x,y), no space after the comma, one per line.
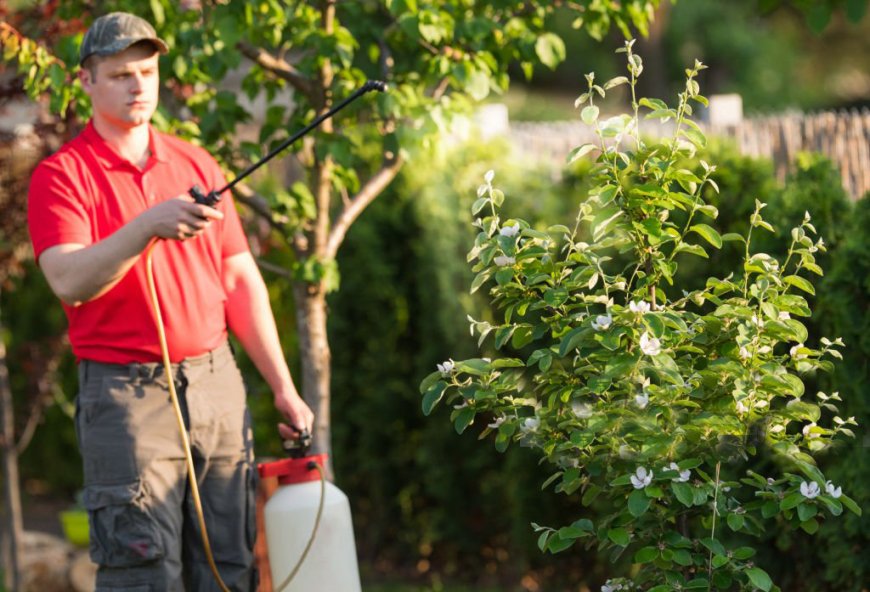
(429,504)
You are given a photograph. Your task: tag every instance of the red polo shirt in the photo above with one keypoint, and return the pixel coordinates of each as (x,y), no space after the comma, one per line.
(84,193)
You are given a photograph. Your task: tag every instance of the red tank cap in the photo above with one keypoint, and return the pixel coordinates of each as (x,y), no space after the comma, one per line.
(293,470)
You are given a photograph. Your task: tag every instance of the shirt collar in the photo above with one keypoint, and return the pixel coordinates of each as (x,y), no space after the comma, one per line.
(111,159)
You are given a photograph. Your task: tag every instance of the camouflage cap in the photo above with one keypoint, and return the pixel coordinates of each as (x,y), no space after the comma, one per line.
(115,32)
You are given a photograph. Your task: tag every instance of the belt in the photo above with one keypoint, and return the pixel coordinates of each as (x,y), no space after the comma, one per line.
(148,371)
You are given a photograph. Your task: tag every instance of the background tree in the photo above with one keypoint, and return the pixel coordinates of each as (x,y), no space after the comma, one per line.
(438,57)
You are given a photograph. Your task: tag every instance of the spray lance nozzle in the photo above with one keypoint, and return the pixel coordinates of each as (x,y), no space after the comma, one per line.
(211,198)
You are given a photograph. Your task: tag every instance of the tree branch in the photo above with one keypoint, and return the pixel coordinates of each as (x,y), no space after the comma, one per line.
(276,269)
(257,203)
(277,66)
(360,201)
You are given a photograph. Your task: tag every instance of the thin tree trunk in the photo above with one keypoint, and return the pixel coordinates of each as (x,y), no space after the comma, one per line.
(316,362)
(12,526)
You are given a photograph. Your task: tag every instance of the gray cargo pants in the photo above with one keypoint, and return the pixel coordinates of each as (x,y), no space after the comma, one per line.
(144,532)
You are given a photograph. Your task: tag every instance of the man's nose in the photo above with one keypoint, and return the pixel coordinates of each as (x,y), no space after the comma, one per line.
(136,83)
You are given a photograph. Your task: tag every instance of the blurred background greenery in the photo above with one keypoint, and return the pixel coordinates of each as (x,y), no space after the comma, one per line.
(437,511)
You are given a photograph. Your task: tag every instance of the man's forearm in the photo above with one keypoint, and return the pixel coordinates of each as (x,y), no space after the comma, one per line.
(79,273)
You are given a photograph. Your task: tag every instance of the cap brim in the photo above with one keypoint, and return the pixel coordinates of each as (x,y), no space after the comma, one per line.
(121,44)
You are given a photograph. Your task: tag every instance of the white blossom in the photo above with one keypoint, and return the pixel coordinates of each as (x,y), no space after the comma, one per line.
(807,430)
(683,475)
(650,345)
(810,490)
(783,315)
(745,354)
(834,492)
(531,424)
(503,260)
(758,321)
(446,368)
(610,586)
(741,408)
(770,481)
(497,422)
(642,399)
(641,478)
(581,410)
(509,230)
(602,322)
(638,307)
(489,176)
(793,352)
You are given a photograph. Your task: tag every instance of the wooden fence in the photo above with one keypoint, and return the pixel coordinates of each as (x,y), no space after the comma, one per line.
(842,136)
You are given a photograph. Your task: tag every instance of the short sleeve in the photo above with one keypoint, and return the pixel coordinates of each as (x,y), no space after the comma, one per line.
(233,240)
(56,213)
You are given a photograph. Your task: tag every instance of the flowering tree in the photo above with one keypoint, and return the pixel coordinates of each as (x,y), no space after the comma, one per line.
(439,58)
(649,399)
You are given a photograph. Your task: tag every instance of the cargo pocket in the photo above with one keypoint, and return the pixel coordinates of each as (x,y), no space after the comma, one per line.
(123,534)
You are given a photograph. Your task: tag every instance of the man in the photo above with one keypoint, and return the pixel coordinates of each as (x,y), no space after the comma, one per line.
(94,209)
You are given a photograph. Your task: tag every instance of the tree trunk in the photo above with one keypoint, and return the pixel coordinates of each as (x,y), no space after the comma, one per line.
(12,527)
(316,361)
(654,81)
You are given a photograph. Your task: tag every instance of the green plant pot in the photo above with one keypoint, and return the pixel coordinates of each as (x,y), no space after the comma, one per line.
(75,527)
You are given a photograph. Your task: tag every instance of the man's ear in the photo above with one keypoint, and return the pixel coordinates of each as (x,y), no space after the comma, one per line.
(84,75)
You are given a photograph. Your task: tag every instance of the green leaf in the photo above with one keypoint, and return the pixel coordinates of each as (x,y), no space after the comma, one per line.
(800,283)
(695,137)
(719,561)
(693,249)
(855,10)
(479,205)
(589,114)
(850,504)
(743,553)
(463,419)
(733,236)
(682,557)
(550,49)
(638,503)
(811,526)
(792,500)
(654,104)
(619,536)
(807,511)
(427,382)
(759,578)
(709,234)
(557,544)
(735,521)
(615,82)
(432,396)
(580,152)
(646,554)
(158,12)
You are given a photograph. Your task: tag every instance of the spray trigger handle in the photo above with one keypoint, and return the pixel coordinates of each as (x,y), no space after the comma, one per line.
(298,447)
(210,199)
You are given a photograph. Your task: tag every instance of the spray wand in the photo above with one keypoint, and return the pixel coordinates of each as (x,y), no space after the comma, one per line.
(214,196)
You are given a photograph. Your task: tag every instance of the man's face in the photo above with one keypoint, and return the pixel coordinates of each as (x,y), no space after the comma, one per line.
(123,87)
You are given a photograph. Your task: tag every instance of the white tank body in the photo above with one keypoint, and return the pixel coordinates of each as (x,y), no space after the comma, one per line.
(331,564)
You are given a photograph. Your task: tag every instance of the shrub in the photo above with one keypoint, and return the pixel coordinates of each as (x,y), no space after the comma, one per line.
(649,401)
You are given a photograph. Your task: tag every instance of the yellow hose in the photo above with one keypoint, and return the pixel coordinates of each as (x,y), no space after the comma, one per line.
(188,455)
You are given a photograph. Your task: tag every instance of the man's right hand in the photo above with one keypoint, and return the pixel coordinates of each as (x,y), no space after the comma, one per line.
(179,218)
